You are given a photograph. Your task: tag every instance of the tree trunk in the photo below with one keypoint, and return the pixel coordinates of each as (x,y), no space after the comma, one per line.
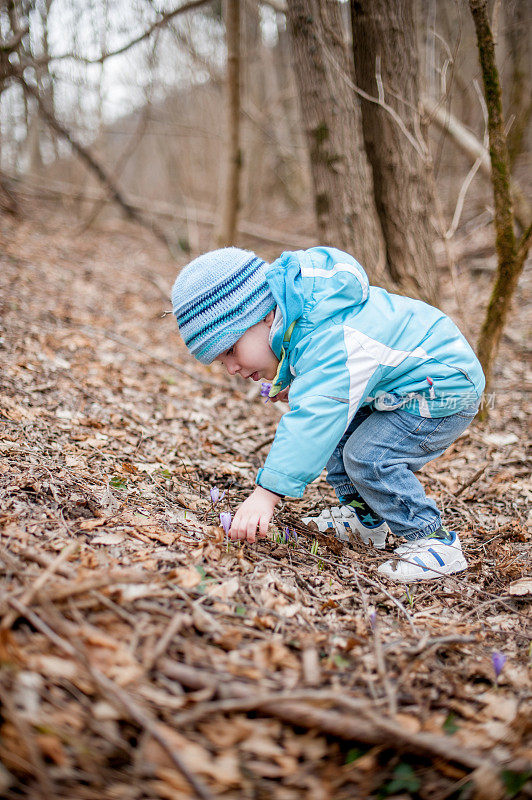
(233,164)
(33,139)
(517,34)
(36,130)
(511,255)
(253,135)
(290,171)
(343,192)
(384,36)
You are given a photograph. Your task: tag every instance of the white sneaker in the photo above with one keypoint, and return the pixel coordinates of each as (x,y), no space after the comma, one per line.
(425,559)
(342,521)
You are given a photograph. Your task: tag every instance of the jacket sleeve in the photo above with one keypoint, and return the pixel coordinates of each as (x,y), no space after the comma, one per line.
(330,385)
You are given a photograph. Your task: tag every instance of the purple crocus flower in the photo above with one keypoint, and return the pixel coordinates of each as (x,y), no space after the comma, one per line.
(286,534)
(225,521)
(265,390)
(498,660)
(215,495)
(373,619)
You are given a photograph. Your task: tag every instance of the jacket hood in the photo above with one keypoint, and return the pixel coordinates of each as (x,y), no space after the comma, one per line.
(314,284)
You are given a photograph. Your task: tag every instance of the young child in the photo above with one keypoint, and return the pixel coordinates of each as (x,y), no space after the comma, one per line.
(379,385)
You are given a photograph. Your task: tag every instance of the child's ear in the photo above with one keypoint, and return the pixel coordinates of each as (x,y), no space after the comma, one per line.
(268,319)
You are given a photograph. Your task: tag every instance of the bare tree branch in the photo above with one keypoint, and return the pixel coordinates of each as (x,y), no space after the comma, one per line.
(472,147)
(215,76)
(472,172)
(363,724)
(94,166)
(204,215)
(160,23)
(417,143)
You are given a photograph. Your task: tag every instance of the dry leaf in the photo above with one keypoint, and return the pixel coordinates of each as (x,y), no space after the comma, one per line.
(205,623)
(223,768)
(224,590)
(488,785)
(188,577)
(109,538)
(408,722)
(500,439)
(91,524)
(51,747)
(521,587)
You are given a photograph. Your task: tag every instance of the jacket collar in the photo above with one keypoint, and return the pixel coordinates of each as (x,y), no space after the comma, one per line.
(283,375)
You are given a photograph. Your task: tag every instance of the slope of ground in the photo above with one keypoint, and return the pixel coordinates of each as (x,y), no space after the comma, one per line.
(142,655)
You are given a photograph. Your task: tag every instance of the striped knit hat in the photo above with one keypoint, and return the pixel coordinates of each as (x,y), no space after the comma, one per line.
(217,297)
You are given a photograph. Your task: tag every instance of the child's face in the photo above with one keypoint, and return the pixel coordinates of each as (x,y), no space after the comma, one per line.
(251,356)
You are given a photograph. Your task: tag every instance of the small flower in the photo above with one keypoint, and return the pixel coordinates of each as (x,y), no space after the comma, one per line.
(286,534)
(373,619)
(498,660)
(225,521)
(215,495)
(265,390)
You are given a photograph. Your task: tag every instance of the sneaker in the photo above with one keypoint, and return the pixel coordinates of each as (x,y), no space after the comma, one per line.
(344,523)
(425,559)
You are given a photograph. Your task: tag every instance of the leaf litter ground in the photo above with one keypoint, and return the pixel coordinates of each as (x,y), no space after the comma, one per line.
(142,656)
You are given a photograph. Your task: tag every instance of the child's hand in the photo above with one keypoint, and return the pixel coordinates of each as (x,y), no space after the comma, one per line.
(254,512)
(282,396)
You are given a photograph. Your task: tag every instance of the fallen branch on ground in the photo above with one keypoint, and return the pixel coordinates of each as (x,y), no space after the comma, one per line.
(368,726)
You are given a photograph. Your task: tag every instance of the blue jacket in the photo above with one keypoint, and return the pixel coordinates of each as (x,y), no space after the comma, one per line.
(343,344)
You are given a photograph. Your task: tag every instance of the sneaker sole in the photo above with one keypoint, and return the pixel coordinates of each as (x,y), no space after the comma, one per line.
(432,577)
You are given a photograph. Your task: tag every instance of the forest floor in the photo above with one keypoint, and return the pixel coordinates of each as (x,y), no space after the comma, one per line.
(143,656)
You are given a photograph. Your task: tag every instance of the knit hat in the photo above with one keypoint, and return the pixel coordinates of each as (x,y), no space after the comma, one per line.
(217,297)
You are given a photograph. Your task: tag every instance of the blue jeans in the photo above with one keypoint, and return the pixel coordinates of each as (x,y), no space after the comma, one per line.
(378,455)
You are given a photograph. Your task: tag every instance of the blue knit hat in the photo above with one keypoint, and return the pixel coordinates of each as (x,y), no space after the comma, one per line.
(217,297)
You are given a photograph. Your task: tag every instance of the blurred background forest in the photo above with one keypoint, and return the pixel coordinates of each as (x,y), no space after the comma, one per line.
(140,86)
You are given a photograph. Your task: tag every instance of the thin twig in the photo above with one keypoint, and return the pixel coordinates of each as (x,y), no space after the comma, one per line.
(27,734)
(163,20)
(471,480)
(94,166)
(41,626)
(428,642)
(371,582)
(30,593)
(173,627)
(381,667)
(472,172)
(117,695)
(253,701)
(418,146)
